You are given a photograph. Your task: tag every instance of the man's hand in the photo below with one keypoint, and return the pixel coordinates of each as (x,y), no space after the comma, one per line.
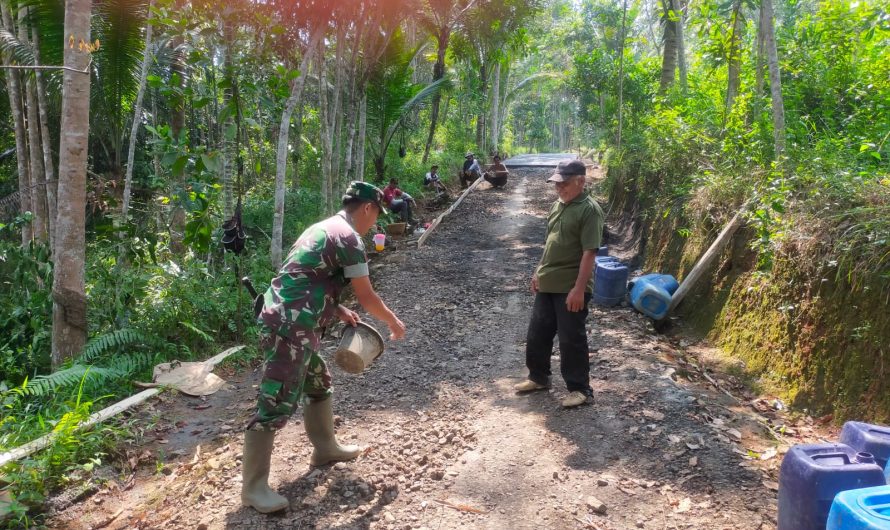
(347,316)
(575,300)
(396,329)
(534,283)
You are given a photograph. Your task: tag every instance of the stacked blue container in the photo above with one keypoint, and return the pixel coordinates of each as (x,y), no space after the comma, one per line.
(811,476)
(863,437)
(609,281)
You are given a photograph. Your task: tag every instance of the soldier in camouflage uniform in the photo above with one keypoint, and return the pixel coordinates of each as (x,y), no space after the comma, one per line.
(303,299)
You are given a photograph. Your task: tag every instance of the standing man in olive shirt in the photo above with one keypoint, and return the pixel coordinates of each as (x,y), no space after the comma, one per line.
(562,286)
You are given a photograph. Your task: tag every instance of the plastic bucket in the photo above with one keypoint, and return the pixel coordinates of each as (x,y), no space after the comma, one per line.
(379,240)
(359,346)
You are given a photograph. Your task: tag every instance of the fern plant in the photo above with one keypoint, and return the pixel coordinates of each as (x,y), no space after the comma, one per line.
(93,368)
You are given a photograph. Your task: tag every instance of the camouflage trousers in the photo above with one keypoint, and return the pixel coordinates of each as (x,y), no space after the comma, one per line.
(293,371)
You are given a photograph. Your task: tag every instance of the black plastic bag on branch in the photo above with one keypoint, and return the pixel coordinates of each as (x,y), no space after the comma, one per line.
(233,232)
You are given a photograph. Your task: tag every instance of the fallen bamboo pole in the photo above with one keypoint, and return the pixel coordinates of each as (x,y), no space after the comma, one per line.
(450,209)
(47,439)
(713,251)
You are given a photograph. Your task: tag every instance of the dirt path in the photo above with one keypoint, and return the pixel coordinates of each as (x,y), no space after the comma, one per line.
(448,444)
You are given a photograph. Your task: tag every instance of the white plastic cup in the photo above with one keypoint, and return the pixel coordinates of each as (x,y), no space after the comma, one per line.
(379,240)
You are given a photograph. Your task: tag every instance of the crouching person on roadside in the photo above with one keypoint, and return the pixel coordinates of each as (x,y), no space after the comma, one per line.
(562,287)
(302,300)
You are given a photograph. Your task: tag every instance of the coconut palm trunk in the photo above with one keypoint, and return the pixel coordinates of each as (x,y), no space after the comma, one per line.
(669,58)
(69,298)
(681,43)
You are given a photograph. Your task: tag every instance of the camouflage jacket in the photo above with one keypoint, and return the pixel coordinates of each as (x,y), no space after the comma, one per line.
(307,289)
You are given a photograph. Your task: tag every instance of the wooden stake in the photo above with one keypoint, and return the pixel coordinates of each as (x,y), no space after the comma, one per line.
(450,209)
(705,261)
(47,440)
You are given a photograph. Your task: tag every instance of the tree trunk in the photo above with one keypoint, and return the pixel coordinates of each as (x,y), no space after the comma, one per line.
(69,298)
(621,73)
(324,130)
(336,121)
(47,143)
(669,59)
(775,78)
(681,44)
(734,60)
(438,73)
(177,124)
(362,132)
(38,176)
(298,145)
(283,137)
(35,149)
(227,137)
(759,66)
(495,107)
(16,106)
(137,119)
(480,117)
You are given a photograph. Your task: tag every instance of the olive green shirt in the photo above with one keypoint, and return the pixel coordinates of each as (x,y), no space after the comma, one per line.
(571,229)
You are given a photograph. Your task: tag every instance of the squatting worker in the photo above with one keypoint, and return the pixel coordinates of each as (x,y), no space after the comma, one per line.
(303,299)
(562,287)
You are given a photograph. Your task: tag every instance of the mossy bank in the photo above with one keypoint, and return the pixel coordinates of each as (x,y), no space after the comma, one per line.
(809,328)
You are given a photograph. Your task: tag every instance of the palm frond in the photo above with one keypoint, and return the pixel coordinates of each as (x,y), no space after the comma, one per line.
(418,99)
(535,77)
(18,51)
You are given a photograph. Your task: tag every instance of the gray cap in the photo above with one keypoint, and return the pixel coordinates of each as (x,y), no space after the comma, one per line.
(568,169)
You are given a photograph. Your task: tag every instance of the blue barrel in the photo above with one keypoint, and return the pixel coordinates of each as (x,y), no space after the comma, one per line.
(810,477)
(651,294)
(602,251)
(866,438)
(610,283)
(862,509)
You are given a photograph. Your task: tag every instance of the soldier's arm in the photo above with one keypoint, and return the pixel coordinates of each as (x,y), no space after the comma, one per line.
(374,305)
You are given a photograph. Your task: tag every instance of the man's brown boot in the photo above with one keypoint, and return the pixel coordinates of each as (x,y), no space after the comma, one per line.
(318,418)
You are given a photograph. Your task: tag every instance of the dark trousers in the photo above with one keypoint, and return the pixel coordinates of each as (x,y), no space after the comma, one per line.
(401,207)
(550,318)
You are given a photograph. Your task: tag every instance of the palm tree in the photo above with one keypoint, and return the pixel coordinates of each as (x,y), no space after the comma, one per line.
(439,22)
(391,96)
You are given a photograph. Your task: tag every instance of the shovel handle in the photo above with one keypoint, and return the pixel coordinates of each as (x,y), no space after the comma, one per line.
(245,281)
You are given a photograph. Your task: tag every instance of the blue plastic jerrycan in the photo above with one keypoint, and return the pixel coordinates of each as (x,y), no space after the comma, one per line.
(610,282)
(651,294)
(862,509)
(810,477)
(866,438)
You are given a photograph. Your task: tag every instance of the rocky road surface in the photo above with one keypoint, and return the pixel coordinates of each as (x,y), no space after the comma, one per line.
(448,444)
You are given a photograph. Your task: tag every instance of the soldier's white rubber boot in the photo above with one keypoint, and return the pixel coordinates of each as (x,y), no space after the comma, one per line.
(318,417)
(255,463)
